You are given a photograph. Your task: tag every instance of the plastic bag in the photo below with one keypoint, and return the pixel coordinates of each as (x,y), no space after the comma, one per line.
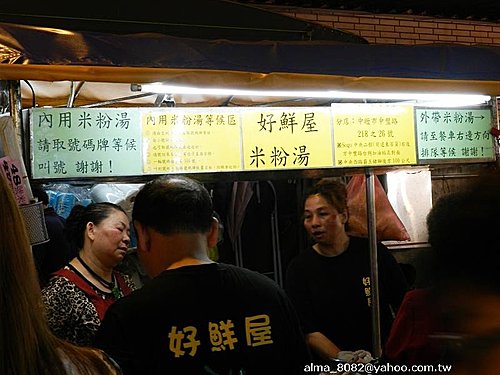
(389,226)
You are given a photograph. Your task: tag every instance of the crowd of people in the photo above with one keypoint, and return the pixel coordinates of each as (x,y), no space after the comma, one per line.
(198,316)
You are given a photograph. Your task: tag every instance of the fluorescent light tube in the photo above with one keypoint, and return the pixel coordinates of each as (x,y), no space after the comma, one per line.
(450,99)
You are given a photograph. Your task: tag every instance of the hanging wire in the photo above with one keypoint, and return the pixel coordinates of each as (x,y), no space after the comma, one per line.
(33,96)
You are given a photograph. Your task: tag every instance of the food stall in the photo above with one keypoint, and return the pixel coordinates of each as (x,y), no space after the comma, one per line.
(300,111)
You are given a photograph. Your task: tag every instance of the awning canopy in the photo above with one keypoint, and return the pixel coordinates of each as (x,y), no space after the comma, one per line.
(51,59)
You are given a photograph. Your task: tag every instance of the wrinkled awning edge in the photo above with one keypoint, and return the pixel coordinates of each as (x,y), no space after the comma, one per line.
(237,79)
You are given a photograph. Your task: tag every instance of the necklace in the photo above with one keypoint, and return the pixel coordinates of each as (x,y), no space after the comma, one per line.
(111,285)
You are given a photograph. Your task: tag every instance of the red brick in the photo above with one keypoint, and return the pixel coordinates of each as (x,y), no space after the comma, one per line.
(385,41)
(343,25)
(389,35)
(442,32)
(365,33)
(327,17)
(400,29)
(432,25)
(484,40)
(349,19)
(443,25)
(408,23)
(410,36)
(447,38)
(389,22)
(371,21)
(482,28)
(465,39)
(385,28)
(429,37)
(461,32)
(479,34)
(465,27)
(424,30)
(364,27)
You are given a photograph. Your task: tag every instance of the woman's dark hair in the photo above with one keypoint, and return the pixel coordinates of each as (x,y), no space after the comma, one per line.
(332,190)
(81,215)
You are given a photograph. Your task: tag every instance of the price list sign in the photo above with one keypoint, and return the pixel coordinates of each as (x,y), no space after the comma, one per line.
(187,141)
(69,142)
(287,138)
(373,135)
(453,135)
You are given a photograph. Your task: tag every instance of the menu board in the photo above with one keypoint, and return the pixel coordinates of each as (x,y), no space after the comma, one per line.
(287,138)
(90,142)
(183,141)
(373,135)
(452,135)
(74,142)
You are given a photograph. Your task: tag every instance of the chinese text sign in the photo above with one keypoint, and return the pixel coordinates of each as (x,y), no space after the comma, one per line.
(85,142)
(180,141)
(452,134)
(287,138)
(373,134)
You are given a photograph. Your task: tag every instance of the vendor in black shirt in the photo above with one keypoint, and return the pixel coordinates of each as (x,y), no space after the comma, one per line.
(330,282)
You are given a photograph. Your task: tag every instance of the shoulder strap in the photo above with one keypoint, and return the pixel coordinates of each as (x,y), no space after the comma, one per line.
(120,279)
(100,303)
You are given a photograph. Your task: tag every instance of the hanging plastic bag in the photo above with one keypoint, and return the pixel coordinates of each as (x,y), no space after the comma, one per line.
(389,226)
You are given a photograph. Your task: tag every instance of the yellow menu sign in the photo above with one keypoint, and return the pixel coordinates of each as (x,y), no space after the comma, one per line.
(286,138)
(373,134)
(197,140)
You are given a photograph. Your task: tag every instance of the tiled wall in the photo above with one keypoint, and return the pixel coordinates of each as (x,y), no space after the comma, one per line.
(399,29)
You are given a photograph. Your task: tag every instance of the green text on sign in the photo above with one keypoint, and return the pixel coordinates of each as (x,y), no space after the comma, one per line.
(73,143)
(454,134)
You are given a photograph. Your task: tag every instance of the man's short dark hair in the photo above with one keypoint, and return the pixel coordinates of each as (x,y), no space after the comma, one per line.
(332,190)
(174,204)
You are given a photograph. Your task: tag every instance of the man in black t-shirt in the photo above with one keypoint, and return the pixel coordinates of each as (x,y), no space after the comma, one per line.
(196,316)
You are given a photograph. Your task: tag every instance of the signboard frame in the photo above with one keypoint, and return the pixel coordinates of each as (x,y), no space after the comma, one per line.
(457,160)
(245,117)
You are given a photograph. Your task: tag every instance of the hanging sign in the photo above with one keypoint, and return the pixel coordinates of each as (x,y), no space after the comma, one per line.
(287,138)
(74,142)
(373,135)
(454,135)
(11,171)
(83,142)
(191,140)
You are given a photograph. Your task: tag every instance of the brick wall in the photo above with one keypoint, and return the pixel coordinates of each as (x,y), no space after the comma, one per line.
(399,29)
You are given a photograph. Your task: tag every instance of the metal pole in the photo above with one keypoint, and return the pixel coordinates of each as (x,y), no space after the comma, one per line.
(15,105)
(372,236)
(278,273)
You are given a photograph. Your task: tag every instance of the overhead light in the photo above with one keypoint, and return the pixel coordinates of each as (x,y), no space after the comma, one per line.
(454,100)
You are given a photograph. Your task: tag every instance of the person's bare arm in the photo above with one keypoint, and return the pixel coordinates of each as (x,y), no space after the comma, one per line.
(321,345)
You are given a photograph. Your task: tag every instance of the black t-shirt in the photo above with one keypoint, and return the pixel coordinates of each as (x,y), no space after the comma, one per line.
(205,319)
(333,295)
